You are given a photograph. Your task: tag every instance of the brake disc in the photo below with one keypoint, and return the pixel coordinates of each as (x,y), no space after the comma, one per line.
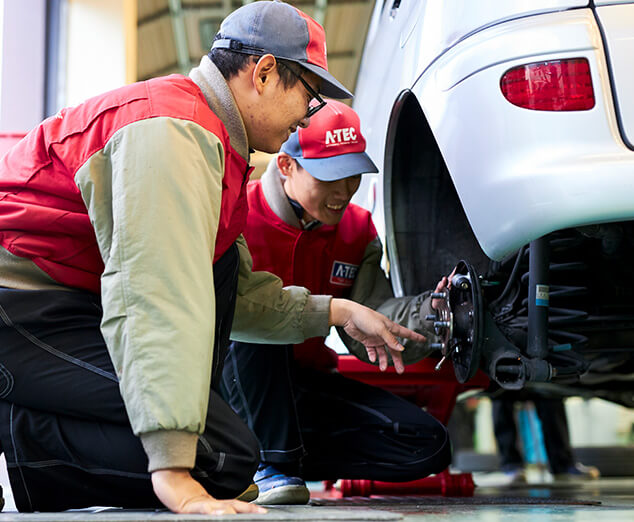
(465,301)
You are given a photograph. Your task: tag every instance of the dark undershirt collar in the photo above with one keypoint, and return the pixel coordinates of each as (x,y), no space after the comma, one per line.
(299,212)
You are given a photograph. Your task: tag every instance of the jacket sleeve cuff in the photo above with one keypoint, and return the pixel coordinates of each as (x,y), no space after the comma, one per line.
(426,310)
(169,449)
(315,316)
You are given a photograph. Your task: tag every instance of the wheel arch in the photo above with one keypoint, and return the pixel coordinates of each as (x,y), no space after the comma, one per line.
(426,229)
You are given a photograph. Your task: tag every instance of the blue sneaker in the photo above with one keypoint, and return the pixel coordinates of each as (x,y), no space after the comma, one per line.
(277,488)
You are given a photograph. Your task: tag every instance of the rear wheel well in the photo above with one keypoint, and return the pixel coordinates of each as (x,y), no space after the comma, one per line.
(427,231)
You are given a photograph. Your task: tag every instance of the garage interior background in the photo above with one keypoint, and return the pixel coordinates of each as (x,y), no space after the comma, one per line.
(174,34)
(59,52)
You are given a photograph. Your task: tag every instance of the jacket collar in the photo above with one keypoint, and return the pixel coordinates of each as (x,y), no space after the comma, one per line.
(273,190)
(221,101)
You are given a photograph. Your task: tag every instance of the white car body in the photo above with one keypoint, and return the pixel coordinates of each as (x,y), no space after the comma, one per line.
(519,173)
(503,131)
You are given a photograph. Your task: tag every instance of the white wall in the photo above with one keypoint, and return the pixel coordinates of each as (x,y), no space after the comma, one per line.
(596,422)
(100,54)
(22,51)
(96,48)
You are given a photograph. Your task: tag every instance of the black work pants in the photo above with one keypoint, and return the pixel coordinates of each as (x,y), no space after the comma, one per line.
(324,426)
(63,426)
(552,415)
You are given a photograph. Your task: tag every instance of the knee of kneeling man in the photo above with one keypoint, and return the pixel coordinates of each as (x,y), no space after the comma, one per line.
(251,451)
(443,448)
(441,435)
(243,468)
(437,451)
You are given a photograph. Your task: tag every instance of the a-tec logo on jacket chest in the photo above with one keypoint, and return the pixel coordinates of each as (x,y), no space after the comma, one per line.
(343,274)
(341,136)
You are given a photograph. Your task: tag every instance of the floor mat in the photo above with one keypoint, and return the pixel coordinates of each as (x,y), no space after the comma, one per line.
(396,502)
(275,513)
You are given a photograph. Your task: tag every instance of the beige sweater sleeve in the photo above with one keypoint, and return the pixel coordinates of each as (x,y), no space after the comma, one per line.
(153,195)
(268,313)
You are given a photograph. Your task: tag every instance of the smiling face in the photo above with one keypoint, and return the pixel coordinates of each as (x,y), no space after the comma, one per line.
(272,112)
(322,200)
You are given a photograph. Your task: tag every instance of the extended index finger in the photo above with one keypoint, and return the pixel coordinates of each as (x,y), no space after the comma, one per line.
(388,337)
(401,331)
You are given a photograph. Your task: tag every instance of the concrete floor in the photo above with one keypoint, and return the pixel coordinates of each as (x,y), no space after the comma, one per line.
(607,499)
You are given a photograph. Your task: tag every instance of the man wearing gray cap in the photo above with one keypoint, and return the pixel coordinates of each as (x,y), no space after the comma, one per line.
(123,273)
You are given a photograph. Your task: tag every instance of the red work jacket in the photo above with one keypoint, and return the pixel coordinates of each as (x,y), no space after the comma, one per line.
(325,259)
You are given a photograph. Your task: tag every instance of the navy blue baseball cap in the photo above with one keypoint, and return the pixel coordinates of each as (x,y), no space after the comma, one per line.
(332,146)
(285,32)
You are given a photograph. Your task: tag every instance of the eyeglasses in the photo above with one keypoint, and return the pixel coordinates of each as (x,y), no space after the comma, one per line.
(321,103)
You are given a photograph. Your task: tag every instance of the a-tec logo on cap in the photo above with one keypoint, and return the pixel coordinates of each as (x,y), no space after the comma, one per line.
(343,274)
(341,136)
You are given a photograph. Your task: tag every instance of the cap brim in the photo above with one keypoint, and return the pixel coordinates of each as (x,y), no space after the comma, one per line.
(330,86)
(338,167)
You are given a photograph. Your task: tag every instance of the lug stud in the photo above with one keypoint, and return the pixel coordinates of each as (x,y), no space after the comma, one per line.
(441,324)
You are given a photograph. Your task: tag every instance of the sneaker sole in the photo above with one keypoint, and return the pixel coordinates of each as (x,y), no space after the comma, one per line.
(284,495)
(575,478)
(249,494)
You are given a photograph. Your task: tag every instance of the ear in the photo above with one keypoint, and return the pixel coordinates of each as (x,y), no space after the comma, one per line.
(263,71)
(285,164)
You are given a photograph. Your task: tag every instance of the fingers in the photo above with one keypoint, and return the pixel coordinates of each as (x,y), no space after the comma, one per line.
(382,353)
(211,506)
(214,507)
(180,493)
(440,287)
(382,359)
(442,284)
(387,332)
(397,358)
(401,331)
(245,507)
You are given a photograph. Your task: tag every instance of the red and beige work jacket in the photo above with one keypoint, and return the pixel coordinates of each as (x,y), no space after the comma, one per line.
(43,215)
(135,194)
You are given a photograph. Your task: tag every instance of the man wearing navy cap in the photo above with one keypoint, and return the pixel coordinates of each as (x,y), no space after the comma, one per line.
(123,272)
(312,423)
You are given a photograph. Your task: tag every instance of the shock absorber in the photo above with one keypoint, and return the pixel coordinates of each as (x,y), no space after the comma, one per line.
(538,299)
(545,321)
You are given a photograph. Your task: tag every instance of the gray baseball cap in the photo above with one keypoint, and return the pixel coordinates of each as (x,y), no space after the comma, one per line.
(285,32)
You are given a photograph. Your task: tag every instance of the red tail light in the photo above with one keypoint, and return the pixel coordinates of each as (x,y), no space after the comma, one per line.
(560,85)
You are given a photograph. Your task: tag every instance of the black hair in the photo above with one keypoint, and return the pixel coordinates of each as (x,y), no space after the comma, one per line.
(230,63)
